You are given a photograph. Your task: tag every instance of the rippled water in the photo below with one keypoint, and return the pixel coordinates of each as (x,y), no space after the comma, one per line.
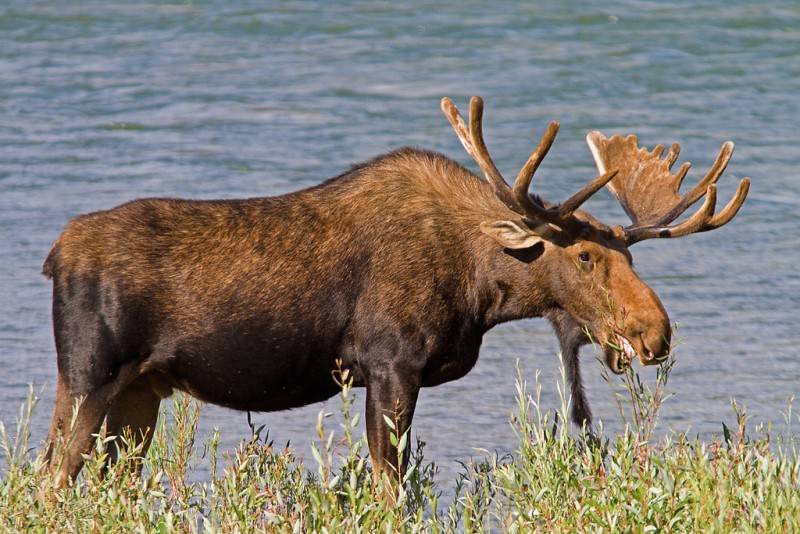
(102,102)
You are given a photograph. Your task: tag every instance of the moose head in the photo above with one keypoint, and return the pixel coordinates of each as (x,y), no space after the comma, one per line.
(583,267)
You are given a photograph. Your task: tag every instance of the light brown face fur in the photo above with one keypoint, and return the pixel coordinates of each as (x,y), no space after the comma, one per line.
(620,311)
(587,270)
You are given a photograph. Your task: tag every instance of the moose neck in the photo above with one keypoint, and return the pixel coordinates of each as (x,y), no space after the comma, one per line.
(512,284)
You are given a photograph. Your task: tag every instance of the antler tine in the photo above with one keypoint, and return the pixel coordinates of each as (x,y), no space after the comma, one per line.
(657,151)
(683,170)
(696,223)
(482,156)
(574,202)
(454,117)
(672,155)
(472,138)
(711,177)
(523,181)
(476,134)
(731,209)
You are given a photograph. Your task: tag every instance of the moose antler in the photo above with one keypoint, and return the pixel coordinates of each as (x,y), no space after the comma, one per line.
(516,197)
(649,191)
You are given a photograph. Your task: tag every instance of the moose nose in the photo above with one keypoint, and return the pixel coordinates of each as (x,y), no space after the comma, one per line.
(655,344)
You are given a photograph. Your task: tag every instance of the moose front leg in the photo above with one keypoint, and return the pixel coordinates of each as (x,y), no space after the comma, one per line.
(581,413)
(571,337)
(391,394)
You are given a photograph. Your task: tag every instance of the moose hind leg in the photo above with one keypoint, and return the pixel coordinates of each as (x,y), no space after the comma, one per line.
(78,438)
(134,413)
(93,406)
(59,424)
(98,349)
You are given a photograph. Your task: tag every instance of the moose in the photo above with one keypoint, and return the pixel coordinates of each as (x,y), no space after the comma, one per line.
(393,271)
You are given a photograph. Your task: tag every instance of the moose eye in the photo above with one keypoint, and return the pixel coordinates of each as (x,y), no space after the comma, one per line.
(584,257)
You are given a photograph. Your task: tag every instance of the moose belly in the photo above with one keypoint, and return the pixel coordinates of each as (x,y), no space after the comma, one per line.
(249,373)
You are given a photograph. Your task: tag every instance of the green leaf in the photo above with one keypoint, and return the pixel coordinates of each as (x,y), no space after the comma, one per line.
(389,422)
(402,445)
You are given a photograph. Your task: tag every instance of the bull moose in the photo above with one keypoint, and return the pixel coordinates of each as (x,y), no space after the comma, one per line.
(395,269)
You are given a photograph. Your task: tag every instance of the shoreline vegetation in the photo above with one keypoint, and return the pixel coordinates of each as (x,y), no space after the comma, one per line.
(557,479)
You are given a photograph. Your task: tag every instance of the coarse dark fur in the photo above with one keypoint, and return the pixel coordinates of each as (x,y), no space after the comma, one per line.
(249,303)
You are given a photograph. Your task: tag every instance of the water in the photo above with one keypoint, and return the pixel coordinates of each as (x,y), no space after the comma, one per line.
(104,102)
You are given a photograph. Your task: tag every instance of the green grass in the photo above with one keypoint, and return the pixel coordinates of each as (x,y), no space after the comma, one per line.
(557,480)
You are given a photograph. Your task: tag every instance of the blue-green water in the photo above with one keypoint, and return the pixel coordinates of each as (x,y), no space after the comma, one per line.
(104,102)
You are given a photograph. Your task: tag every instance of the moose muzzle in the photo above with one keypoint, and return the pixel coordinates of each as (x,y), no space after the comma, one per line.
(647,337)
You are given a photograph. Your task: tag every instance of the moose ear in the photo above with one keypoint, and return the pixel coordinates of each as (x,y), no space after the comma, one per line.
(510,234)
